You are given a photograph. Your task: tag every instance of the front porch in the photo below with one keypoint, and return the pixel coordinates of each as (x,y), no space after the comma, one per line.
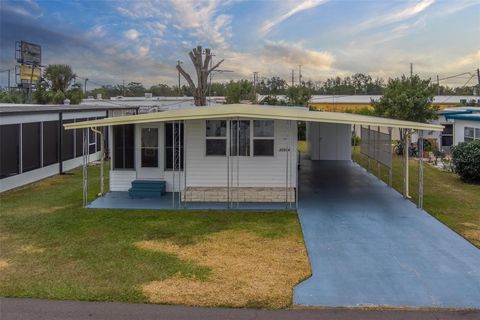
(170,201)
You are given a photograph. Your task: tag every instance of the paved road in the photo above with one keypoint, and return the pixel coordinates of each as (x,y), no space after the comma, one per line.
(36,309)
(369,246)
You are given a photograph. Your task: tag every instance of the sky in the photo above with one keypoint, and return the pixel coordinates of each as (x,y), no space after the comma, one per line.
(114,41)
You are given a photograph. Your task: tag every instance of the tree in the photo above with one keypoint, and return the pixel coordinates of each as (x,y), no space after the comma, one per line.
(407,98)
(203,70)
(59,77)
(298,95)
(235,91)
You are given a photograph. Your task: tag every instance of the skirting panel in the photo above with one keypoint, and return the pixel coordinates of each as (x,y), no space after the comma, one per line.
(243,194)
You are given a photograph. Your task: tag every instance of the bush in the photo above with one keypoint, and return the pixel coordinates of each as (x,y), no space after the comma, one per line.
(466,161)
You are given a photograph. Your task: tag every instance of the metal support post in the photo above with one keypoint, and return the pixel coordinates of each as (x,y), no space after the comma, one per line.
(378,152)
(85,167)
(185,164)
(229,130)
(179,161)
(420,169)
(286,164)
(102,155)
(369,142)
(390,170)
(405,164)
(173,165)
(238,162)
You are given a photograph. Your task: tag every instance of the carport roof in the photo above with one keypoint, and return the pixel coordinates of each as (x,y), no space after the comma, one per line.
(255,112)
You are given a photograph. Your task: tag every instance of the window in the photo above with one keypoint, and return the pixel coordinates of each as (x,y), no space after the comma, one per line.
(263,138)
(169,148)
(244,137)
(447,135)
(149,149)
(123,141)
(68,138)
(477,133)
(469,134)
(216,138)
(50,142)
(31,146)
(9,150)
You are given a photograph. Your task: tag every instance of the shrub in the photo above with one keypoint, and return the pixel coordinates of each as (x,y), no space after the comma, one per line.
(466,161)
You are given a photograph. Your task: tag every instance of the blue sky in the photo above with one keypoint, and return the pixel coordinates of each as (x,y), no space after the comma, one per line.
(112,41)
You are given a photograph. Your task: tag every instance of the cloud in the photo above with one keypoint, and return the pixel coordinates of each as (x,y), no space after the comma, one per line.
(395,16)
(278,59)
(143,51)
(471,60)
(131,34)
(302,6)
(204,20)
(157,28)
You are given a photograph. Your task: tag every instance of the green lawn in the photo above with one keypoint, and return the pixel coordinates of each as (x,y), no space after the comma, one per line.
(446,197)
(53,248)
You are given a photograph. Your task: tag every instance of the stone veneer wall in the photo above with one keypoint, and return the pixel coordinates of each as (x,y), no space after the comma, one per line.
(243,194)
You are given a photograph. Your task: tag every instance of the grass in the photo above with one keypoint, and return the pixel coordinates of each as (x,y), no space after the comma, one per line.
(52,248)
(446,197)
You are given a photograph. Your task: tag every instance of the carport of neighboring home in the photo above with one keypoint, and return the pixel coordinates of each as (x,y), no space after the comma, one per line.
(369,246)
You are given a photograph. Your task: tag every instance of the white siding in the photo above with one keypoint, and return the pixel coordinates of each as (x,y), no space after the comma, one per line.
(459,129)
(329,141)
(211,171)
(28,177)
(121,180)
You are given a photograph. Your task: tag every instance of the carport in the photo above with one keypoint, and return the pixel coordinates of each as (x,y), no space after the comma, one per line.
(369,246)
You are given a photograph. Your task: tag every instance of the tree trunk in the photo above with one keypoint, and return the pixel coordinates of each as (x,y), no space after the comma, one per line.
(202,69)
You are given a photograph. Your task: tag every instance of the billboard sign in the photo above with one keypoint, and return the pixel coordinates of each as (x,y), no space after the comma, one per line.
(30,53)
(26,73)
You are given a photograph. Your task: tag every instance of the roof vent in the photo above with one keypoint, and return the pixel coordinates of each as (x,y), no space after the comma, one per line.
(66,101)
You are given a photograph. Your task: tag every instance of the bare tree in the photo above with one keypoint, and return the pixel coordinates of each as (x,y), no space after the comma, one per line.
(203,69)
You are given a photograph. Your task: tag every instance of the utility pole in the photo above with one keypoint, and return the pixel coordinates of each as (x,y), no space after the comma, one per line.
(85,87)
(8,79)
(438,85)
(179,89)
(411,69)
(300,74)
(293,77)
(255,74)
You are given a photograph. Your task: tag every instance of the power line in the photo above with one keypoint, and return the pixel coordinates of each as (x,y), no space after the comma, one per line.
(464,85)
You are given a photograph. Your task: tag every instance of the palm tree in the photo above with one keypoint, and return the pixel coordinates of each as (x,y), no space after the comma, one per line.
(59,76)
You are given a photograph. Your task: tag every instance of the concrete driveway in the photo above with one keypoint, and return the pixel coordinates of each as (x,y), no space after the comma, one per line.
(369,246)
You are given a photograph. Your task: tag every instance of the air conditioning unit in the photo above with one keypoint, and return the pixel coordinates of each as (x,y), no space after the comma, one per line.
(148,95)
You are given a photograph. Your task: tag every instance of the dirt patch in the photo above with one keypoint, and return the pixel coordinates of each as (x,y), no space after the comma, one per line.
(248,270)
(28,248)
(49,209)
(472,232)
(4,264)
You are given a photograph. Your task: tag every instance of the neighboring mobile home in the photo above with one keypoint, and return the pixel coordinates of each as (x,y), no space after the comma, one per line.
(228,153)
(34,144)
